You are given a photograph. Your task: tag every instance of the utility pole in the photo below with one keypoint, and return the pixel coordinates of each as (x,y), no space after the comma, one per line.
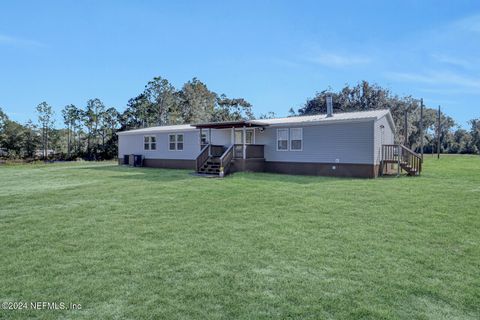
(405,129)
(421,127)
(438,134)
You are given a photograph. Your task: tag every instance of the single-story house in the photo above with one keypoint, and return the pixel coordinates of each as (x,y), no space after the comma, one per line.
(342,144)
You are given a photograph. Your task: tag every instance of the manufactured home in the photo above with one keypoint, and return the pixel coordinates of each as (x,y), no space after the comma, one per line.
(354,144)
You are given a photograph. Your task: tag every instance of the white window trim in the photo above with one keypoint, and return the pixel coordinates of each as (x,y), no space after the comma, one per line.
(288,139)
(176,141)
(150,143)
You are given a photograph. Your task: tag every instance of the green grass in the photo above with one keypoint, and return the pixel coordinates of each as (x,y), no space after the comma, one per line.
(131,243)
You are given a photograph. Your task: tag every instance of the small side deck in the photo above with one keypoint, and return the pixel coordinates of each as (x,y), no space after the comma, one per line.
(402,158)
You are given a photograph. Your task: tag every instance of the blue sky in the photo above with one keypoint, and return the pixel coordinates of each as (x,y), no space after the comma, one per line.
(275,54)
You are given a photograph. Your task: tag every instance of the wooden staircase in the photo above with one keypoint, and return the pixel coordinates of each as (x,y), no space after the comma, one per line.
(214,160)
(401,156)
(211,166)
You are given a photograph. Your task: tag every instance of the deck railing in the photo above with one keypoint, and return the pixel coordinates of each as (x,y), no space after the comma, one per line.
(411,160)
(203,156)
(226,160)
(217,150)
(390,152)
(406,158)
(251,151)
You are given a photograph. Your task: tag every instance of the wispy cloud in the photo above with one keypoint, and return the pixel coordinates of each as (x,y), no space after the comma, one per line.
(471,23)
(16,41)
(450,91)
(330,59)
(442,58)
(437,78)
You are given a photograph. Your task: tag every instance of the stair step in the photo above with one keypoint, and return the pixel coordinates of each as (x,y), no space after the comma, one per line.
(214,166)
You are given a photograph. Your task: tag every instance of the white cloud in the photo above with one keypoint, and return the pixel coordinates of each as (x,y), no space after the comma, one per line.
(437,78)
(337,60)
(452,60)
(471,23)
(15,41)
(450,91)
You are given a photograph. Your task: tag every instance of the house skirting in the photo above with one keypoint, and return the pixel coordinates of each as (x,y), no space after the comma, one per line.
(260,165)
(323,169)
(167,163)
(255,165)
(170,163)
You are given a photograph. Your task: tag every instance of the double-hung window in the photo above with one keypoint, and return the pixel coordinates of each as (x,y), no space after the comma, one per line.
(149,143)
(282,139)
(175,142)
(290,139)
(296,139)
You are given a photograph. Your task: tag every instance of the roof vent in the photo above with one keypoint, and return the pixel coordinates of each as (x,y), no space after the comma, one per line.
(329,107)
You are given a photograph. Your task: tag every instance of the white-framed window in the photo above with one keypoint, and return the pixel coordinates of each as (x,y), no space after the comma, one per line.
(149,143)
(296,139)
(175,142)
(282,139)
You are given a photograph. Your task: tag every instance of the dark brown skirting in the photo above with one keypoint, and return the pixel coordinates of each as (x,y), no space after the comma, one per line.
(255,165)
(260,165)
(170,163)
(323,169)
(167,163)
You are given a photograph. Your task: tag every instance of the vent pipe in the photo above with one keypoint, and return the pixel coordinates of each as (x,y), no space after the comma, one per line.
(329,107)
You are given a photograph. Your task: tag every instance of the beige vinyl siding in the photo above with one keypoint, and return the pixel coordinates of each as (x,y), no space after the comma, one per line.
(348,142)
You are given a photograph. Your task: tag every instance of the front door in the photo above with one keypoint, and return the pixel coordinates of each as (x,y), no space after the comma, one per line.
(249,139)
(249,135)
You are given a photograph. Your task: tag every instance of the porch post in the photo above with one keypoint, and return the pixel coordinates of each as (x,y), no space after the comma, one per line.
(210,141)
(232,137)
(200,138)
(243,141)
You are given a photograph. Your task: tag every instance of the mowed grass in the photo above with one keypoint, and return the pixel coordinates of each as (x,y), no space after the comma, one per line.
(139,243)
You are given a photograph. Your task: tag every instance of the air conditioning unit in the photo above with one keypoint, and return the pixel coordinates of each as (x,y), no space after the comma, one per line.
(137,160)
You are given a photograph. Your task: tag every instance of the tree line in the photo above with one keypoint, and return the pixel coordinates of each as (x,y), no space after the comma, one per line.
(365,96)
(89,132)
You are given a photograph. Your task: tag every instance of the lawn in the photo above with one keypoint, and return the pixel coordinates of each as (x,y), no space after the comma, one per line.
(139,243)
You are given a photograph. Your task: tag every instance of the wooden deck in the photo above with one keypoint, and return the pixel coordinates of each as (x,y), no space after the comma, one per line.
(404,158)
(217,159)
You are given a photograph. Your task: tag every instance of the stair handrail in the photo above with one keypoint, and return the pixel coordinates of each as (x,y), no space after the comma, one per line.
(413,159)
(405,158)
(226,159)
(410,151)
(203,156)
